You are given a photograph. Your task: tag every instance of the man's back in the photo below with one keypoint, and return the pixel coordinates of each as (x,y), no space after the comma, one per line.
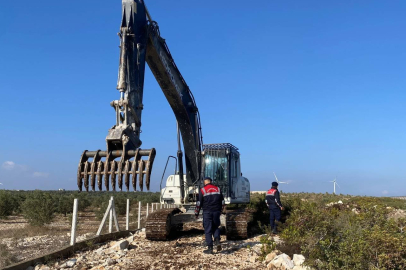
(211,198)
(273,199)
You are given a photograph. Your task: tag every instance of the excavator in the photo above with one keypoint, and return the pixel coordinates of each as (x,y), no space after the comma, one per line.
(140,43)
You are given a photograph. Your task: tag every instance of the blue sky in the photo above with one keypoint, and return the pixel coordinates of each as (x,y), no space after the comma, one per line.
(309,89)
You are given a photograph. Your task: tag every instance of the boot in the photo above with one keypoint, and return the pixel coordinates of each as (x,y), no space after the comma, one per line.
(275,231)
(209,250)
(217,243)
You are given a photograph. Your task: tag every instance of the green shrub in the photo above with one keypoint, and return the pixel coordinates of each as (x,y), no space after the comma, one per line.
(6,204)
(268,245)
(39,208)
(335,237)
(64,204)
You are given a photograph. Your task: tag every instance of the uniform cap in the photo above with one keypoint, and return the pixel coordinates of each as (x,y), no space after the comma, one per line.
(208,178)
(274,184)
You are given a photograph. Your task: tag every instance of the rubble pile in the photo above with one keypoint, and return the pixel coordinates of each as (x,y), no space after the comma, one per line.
(184,252)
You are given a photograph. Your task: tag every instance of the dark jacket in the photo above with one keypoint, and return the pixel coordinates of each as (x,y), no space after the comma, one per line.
(210,199)
(272,199)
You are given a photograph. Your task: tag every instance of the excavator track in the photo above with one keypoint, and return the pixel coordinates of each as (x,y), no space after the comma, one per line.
(159,224)
(237,223)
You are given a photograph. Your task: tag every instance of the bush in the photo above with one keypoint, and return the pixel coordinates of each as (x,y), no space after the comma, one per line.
(39,208)
(64,204)
(335,237)
(6,204)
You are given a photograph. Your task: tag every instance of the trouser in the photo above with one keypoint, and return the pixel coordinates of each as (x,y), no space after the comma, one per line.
(211,224)
(274,214)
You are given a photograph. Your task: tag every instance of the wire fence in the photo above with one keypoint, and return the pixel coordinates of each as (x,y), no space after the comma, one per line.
(20,241)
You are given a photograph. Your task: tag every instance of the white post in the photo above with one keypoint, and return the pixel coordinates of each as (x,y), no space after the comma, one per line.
(127,221)
(104,218)
(161,205)
(111,216)
(147,209)
(152,207)
(74,222)
(139,215)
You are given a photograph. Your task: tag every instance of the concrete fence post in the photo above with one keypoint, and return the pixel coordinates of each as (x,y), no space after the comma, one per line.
(104,218)
(74,222)
(127,220)
(111,215)
(139,215)
(147,209)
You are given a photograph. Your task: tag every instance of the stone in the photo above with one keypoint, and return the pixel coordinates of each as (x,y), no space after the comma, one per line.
(30,268)
(110,261)
(298,259)
(355,210)
(122,245)
(272,255)
(256,248)
(130,239)
(71,263)
(297,267)
(253,258)
(281,262)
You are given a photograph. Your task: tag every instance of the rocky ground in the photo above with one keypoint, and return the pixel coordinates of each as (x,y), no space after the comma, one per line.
(19,241)
(184,252)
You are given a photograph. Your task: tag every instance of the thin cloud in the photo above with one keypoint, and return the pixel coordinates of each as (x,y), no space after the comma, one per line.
(12,166)
(8,165)
(40,174)
(385,192)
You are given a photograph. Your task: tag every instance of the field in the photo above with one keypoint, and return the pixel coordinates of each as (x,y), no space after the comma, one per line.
(33,223)
(331,231)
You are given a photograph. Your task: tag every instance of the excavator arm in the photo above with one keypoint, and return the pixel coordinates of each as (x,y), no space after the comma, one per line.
(180,98)
(140,42)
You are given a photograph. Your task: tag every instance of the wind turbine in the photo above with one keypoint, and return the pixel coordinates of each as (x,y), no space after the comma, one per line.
(335,183)
(277,181)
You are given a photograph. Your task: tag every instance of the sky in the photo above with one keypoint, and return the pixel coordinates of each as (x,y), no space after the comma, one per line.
(310,90)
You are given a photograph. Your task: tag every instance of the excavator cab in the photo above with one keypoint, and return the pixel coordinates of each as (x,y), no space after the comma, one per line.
(221,163)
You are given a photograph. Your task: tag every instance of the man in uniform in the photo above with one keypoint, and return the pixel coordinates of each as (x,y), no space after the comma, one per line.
(212,201)
(273,201)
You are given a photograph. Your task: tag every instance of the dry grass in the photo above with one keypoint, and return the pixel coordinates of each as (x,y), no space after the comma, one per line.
(6,257)
(30,231)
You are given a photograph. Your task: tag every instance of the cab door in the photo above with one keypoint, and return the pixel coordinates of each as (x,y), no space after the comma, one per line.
(235,172)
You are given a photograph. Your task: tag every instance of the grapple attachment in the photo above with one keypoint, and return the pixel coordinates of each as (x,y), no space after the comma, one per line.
(94,165)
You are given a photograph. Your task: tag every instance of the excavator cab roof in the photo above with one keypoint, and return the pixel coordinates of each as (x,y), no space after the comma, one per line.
(219,146)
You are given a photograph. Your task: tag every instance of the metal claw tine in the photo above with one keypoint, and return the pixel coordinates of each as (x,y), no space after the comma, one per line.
(93,175)
(127,175)
(106,172)
(120,175)
(135,168)
(113,175)
(134,174)
(148,168)
(99,175)
(86,176)
(83,158)
(140,173)
(147,174)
